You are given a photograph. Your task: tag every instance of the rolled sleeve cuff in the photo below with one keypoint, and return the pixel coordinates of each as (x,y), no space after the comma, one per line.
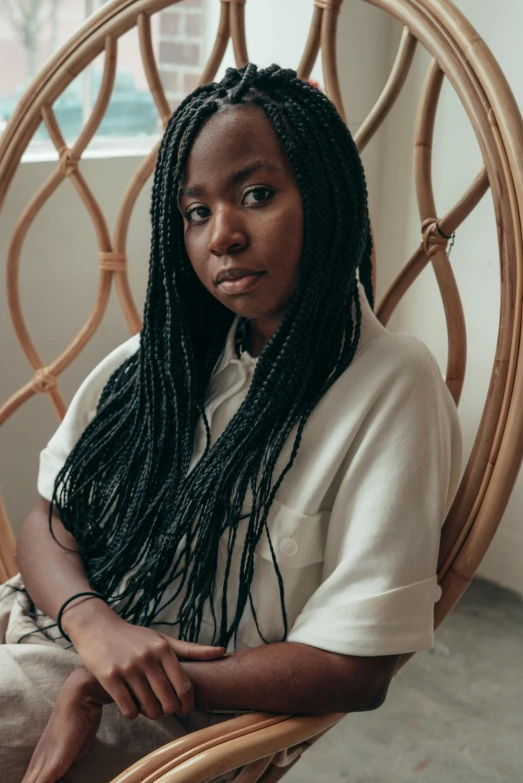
(395,622)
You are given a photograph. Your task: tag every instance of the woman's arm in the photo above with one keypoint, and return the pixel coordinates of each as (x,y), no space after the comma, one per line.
(51,573)
(126,659)
(284,677)
(70,731)
(288,677)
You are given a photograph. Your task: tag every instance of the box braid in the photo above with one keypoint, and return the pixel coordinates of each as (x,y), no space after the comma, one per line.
(144,521)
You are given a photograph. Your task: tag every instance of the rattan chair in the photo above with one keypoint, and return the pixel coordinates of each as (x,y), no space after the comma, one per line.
(250,742)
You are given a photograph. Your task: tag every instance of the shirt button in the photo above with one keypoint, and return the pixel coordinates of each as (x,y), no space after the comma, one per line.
(288,547)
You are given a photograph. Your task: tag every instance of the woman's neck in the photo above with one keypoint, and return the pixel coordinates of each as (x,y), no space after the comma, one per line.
(258,332)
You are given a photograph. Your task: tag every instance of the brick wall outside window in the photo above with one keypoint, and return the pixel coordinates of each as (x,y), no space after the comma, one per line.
(181,48)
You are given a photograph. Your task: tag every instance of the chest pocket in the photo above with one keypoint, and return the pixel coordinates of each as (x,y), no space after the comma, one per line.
(298,540)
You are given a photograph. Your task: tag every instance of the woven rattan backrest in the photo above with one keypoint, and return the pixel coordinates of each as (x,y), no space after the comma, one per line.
(460,56)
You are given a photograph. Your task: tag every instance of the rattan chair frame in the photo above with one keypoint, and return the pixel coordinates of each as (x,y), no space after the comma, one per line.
(458,55)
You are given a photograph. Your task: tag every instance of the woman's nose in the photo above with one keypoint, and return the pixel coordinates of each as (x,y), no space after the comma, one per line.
(227,233)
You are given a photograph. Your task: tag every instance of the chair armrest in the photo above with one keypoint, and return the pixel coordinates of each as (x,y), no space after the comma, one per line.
(218,749)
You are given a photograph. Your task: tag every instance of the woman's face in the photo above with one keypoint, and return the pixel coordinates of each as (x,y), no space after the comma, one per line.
(243,211)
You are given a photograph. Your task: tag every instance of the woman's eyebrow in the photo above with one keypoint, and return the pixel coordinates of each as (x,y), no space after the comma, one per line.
(197,191)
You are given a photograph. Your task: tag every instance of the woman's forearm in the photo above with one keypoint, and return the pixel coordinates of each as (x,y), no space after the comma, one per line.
(51,573)
(284,677)
(287,677)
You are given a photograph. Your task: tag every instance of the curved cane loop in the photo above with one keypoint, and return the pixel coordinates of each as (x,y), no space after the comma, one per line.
(489,475)
(419,259)
(43,380)
(219,48)
(74,349)
(312,46)
(398,75)
(329,5)
(111,261)
(102,99)
(510,339)
(68,167)
(53,129)
(229,754)
(424,136)
(455,318)
(68,164)
(329,26)
(291,756)
(232,25)
(238,37)
(322,34)
(151,69)
(69,157)
(433,239)
(127,303)
(13,265)
(251,773)
(151,768)
(123,218)
(16,400)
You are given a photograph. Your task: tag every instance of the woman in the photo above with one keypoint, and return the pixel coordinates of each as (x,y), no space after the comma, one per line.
(254,484)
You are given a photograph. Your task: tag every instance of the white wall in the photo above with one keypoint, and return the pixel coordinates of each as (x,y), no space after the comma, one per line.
(475,254)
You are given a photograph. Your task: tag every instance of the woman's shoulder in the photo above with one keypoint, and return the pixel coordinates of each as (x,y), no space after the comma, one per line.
(119,354)
(83,405)
(391,372)
(79,414)
(393,357)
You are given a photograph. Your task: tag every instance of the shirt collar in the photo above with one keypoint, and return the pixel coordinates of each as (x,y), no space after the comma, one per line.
(229,351)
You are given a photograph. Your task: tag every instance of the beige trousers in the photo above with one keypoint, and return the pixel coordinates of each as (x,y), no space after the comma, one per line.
(32,671)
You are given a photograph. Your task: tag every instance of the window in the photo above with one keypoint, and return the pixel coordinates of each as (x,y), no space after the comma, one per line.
(32,30)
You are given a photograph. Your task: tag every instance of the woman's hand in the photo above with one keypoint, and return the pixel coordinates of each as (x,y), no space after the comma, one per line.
(138,667)
(70,731)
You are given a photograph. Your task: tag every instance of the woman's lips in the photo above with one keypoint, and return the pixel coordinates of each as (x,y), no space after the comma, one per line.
(240,284)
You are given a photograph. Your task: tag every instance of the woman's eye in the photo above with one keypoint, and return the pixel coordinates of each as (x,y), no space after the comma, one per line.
(258,195)
(196,214)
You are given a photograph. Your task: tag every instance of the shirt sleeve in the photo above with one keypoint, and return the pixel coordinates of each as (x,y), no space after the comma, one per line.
(379,582)
(79,414)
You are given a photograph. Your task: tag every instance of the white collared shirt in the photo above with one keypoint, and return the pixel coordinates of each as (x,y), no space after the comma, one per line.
(356,522)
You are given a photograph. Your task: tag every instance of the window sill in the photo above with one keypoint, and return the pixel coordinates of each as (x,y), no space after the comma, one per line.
(44,152)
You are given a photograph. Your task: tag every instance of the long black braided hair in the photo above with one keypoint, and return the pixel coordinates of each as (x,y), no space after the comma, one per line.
(126,492)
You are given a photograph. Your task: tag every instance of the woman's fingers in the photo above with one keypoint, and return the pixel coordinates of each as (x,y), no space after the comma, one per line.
(121,696)
(194,652)
(146,676)
(140,686)
(71,729)
(180,682)
(48,769)
(52,771)
(34,769)
(89,740)
(163,688)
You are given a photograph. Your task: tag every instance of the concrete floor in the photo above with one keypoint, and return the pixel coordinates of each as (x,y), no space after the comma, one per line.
(454,714)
